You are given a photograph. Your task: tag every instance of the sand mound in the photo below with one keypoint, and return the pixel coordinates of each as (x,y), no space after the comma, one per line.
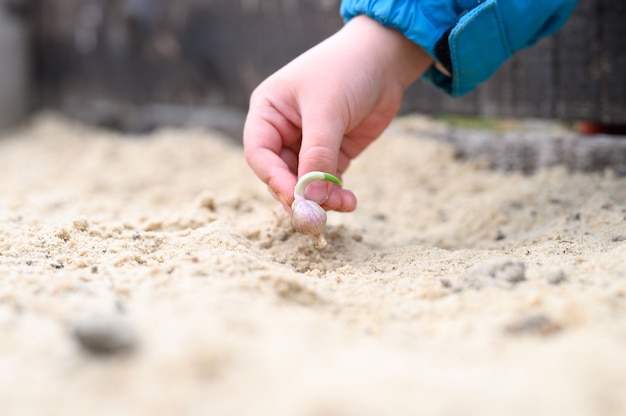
(155,275)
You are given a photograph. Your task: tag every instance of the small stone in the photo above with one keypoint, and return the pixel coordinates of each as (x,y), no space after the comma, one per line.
(206,200)
(57,265)
(104,335)
(534,324)
(499,271)
(574,217)
(555,277)
(296,292)
(154,226)
(379,217)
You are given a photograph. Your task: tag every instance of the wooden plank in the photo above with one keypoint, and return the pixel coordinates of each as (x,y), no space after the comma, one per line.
(527,151)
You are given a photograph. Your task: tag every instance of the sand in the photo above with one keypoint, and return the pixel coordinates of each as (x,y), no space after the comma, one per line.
(155,275)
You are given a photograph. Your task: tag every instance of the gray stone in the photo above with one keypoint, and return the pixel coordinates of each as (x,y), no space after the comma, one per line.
(501,271)
(104,335)
(538,324)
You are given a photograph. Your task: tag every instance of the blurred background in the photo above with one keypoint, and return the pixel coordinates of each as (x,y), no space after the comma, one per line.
(134,65)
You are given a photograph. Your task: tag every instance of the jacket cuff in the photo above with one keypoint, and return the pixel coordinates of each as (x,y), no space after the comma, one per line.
(419,21)
(478,45)
(468,39)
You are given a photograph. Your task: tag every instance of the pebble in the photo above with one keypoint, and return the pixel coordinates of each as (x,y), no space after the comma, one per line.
(104,335)
(57,265)
(555,277)
(501,271)
(206,200)
(538,324)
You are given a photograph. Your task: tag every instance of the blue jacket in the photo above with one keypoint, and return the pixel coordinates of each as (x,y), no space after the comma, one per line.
(469,39)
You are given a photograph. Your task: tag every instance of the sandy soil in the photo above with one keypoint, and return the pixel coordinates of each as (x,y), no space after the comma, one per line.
(155,275)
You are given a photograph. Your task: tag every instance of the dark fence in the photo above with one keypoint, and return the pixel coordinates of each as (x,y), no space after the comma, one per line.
(15,75)
(103,60)
(577,74)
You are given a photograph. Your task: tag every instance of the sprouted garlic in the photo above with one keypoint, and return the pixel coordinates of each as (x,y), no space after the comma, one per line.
(308,217)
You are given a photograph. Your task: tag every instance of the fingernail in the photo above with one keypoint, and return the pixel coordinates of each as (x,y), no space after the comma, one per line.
(317,191)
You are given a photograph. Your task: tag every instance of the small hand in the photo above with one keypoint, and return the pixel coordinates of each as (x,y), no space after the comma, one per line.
(325,107)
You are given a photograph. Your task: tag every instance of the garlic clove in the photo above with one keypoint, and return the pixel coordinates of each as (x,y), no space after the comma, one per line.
(308,217)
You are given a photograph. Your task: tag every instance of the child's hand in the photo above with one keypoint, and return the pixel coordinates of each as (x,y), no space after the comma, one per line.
(326,106)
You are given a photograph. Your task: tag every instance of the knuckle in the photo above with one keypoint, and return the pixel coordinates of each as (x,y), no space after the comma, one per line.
(319,156)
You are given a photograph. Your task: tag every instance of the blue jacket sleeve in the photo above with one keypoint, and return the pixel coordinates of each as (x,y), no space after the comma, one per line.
(469,39)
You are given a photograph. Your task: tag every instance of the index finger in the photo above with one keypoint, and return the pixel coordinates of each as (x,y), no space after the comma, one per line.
(266,136)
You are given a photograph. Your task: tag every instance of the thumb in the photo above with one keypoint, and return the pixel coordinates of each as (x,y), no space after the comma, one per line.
(321,142)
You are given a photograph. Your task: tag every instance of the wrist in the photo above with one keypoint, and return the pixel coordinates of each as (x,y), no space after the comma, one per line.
(405,60)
